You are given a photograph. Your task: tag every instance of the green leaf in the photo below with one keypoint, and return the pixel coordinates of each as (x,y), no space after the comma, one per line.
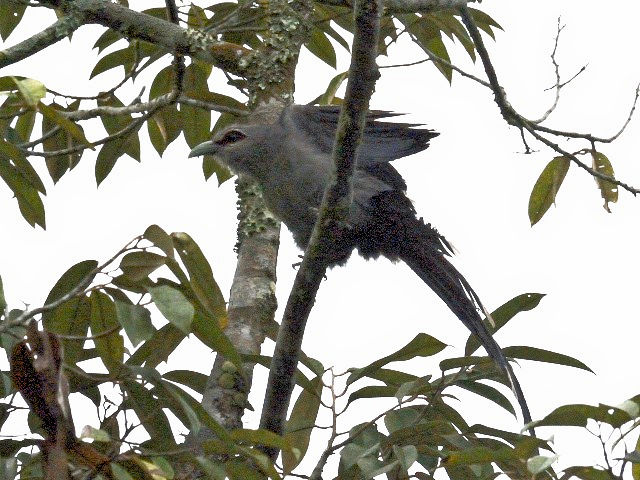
(71,318)
(197,121)
(11,153)
(578,414)
(160,239)
(457,362)
(109,37)
(209,332)
(3,302)
(489,393)
(608,190)
(73,277)
(422,345)
(158,348)
(130,144)
(329,95)
(589,473)
(174,306)
(10,15)
(194,380)
(29,201)
(136,321)
(406,455)
(201,279)
(165,126)
(108,155)
(502,315)
(119,472)
(372,391)
(546,188)
(60,140)
(67,125)
(321,47)
(138,265)
(104,327)
(300,425)
(25,124)
(151,416)
(540,355)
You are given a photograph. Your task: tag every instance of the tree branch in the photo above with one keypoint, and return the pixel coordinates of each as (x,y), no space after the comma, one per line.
(407,6)
(363,73)
(62,28)
(132,24)
(512,117)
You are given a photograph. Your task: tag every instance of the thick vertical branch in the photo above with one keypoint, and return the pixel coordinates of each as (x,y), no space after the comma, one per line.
(333,213)
(252,301)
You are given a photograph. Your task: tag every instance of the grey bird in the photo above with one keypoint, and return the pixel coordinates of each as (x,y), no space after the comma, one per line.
(291,160)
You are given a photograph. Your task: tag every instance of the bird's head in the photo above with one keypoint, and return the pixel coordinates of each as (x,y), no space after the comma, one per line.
(243,148)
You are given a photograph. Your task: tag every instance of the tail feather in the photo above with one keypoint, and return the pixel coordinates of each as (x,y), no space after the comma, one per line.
(430,264)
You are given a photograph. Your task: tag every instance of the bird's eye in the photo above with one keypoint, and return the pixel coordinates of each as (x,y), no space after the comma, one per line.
(232,136)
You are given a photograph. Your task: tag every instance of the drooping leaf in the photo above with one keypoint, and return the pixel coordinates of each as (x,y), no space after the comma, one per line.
(104,327)
(546,188)
(489,393)
(72,318)
(150,413)
(67,125)
(197,121)
(321,47)
(608,190)
(201,278)
(300,425)
(28,197)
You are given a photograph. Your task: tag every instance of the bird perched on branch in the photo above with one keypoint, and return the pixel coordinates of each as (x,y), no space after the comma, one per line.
(291,160)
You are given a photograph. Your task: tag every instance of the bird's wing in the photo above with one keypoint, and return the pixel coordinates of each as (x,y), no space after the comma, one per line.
(382,141)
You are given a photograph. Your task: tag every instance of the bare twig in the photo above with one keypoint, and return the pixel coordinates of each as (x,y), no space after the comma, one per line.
(27,315)
(512,117)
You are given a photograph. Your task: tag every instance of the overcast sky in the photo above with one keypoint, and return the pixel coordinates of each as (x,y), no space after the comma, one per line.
(473,184)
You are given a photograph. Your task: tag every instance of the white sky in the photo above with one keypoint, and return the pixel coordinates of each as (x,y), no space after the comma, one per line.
(473,184)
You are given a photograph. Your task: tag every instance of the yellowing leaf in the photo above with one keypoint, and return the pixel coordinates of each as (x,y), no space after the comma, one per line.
(32,91)
(608,190)
(546,188)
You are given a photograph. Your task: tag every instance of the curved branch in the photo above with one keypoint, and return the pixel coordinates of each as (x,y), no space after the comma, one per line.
(334,209)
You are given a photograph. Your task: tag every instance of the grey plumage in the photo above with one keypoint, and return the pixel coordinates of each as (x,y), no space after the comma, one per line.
(292,161)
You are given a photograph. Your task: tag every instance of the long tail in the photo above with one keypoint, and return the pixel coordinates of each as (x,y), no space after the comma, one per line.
(427,259)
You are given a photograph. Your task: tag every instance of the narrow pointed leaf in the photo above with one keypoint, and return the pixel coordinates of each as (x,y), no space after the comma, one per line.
(546,188)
